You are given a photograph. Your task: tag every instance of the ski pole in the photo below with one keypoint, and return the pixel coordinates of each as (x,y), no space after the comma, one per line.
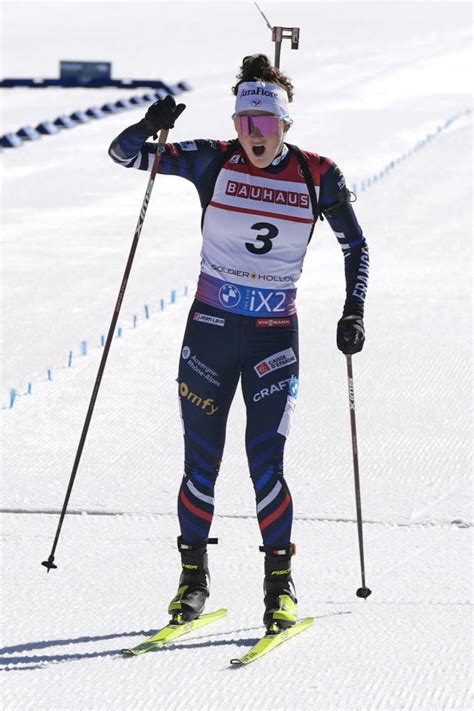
(364,591)
(141,219)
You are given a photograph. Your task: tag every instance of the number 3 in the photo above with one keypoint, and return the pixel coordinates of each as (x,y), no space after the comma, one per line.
(265,238)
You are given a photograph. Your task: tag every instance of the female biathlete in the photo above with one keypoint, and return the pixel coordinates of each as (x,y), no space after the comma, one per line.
(260,198)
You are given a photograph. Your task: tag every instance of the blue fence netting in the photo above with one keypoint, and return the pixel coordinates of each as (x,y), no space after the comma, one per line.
(88,347)
(26,134)
(364,184)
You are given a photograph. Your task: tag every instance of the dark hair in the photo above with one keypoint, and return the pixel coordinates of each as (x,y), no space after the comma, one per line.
(258,66)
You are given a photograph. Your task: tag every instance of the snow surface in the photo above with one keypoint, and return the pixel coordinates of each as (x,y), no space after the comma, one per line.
(371,80)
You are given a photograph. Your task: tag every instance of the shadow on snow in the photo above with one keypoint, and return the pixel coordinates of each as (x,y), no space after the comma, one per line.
(33,661)
(36,661)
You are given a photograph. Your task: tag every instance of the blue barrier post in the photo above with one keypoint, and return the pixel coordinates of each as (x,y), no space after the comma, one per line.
(28,392)
(83,348)
(50,374)
(135,319)
(119,332)
(13,395)
(69,362)
(162,304)
(102,340)
(173,296)
(147,312)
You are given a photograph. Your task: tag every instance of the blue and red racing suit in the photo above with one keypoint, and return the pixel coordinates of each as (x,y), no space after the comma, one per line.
(243,324)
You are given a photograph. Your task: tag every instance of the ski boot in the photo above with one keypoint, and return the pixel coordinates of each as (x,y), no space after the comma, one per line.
(280,599)
(193,588)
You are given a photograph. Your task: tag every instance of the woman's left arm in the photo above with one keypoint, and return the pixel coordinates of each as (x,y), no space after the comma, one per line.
(335,204)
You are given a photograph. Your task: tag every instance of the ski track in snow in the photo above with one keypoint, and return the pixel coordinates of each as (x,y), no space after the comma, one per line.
(68,218)
(375,654)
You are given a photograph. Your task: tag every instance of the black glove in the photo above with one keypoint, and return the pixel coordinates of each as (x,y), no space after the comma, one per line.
(162,114)
(350,334)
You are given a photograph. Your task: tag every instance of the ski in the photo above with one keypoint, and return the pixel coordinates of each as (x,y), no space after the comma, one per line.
(172,631)
(270,641)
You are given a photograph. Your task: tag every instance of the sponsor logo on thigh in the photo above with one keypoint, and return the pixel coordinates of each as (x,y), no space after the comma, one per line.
(202,369)
(207,405)
(278,387)
(275,362)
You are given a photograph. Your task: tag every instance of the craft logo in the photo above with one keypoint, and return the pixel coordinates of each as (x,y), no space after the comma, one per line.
(275,362)
(207,318)
(229,295)
(275,388)
(273,195)
(256,102)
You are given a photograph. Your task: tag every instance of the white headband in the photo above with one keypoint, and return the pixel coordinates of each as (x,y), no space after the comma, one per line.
(258,95)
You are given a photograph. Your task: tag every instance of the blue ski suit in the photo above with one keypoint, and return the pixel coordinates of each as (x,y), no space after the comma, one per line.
(256,227)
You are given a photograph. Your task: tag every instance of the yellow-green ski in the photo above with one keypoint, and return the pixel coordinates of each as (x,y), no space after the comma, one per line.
(173,631)
(270,641)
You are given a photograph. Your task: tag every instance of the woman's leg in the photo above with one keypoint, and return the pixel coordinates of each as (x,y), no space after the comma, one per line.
(270,386)
(208,377)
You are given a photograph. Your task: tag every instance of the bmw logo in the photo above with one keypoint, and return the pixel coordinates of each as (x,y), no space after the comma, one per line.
(229,295)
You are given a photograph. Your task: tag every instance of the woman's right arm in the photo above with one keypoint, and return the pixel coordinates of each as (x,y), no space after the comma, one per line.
(131,148)
(193,160)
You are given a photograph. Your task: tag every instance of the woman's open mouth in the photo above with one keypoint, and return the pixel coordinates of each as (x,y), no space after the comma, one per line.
(258,150)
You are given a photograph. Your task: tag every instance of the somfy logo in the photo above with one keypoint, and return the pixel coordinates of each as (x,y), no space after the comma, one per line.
(207,405)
